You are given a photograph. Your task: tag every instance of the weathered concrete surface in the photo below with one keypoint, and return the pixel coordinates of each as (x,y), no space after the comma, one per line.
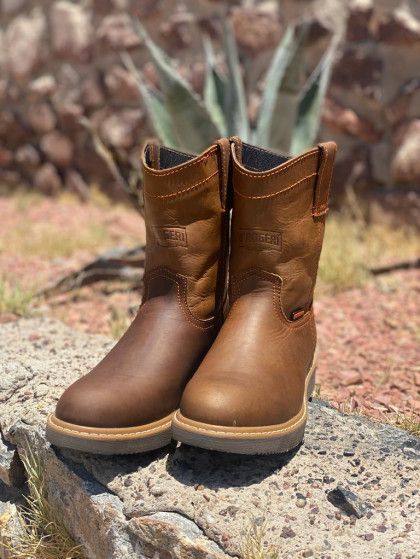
(181,502)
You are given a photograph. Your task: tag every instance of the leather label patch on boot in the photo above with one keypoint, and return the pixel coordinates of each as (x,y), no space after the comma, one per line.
(259,238)
(171,236)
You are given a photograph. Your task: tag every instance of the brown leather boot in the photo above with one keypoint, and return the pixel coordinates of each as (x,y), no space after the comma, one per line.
(126,403)
(250,393)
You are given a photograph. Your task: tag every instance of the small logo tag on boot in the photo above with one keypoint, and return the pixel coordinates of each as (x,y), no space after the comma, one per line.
(171,236)
(259,238)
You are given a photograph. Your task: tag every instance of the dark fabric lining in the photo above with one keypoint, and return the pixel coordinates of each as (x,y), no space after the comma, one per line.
(257,159)
(168,157)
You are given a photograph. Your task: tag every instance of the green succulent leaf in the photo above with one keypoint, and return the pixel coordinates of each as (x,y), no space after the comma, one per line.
(192,123)
(234,107)
(159,117)
(213,89)
(311,102)
(273,81)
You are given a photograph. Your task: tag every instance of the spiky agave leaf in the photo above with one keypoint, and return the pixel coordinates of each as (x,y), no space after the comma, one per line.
(192,123)
(153,101)
(274,77)
(235,104)
(287,95)
(311,102)
(214,88)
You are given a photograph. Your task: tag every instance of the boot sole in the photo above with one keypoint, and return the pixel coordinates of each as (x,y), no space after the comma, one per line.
(271,439)
(128,440)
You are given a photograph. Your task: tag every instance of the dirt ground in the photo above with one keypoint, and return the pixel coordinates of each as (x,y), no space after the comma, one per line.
(369,359)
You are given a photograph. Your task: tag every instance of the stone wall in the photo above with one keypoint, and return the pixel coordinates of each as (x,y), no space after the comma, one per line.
(59,63)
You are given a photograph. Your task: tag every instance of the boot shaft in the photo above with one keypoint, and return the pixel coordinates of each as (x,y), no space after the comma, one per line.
(186,221)
(279,213)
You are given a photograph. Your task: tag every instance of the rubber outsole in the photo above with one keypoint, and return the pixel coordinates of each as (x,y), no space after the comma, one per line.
(129,440)
(271,439)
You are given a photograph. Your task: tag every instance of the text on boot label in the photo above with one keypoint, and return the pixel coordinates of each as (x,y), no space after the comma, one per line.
(171,236)
(255,238)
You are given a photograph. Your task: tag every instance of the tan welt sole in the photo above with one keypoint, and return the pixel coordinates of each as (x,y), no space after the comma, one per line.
(270,439)
(128,440)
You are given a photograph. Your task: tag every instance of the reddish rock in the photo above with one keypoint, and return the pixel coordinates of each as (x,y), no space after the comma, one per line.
(177,30)
(405,102)
(121,128)
(255,29)
(27,156)
(69,116)
(405,166)
(71,31)
(316,32)
(91,93)
(75,183)
(12,131)
(41,117)
(117,32)
(350,377)
(23,43)
(121,84)
(399,28)
(151,75)
(2,53)
(47,180)
(58,148)
(43,86)
(90,164)
(346,121)
(360,23)
(6,157)
(359,72)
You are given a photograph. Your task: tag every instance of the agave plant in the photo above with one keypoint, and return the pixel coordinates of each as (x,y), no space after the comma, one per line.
(290,110)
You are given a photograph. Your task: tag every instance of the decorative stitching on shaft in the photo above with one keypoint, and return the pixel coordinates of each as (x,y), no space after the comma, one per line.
(275,193)
(182,300)
(179,192)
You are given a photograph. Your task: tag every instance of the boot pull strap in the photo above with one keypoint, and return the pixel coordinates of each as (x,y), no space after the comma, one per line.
(322,187)
(150,153)
(224,160)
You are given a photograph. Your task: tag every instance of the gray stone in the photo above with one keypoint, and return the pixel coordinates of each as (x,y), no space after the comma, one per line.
(185,502)
(11,469)
(348,502)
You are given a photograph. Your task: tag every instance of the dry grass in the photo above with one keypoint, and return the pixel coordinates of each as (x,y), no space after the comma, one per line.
(407,421)
(118,323)
(351,247)
(49,241)
(42,535)
(14,298)
(253,546)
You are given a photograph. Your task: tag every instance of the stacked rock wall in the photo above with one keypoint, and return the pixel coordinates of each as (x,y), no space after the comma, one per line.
(60,64)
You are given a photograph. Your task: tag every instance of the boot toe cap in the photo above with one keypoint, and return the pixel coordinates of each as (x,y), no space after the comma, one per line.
(231,405)
(83,407)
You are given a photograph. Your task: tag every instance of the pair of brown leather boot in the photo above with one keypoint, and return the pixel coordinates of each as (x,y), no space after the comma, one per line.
(221,354)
